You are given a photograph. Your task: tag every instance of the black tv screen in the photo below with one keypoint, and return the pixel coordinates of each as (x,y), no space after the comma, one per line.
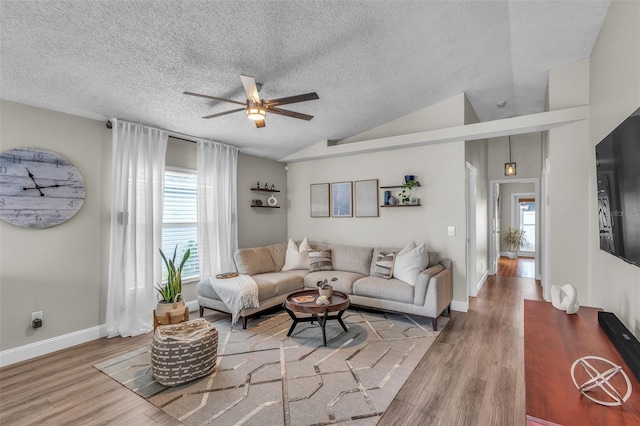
(618,169)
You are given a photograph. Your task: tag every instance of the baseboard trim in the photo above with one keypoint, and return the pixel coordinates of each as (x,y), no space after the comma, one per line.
(482,281)
(43,347)
(460,306)
(193,305)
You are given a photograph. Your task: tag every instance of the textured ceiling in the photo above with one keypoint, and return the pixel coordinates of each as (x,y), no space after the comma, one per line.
(369,61)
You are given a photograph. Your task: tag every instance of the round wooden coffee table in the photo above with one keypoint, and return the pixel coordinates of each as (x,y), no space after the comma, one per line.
(339,303)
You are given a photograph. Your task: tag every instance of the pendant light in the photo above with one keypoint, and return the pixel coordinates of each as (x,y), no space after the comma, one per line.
(510,167)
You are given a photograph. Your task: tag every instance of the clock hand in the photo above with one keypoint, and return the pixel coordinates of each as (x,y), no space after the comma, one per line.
(35,183)
(52,186)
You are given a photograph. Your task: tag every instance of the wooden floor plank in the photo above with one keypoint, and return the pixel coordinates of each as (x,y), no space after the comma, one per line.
(472,375)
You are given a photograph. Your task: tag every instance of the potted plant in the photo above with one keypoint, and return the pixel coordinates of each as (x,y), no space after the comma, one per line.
(170,294)
(514,238)
(324,288)
(407,186)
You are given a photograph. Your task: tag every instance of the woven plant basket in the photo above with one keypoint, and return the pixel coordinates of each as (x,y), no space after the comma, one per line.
(183,352)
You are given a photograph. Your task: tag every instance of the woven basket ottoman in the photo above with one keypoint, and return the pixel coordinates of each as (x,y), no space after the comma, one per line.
(183,352)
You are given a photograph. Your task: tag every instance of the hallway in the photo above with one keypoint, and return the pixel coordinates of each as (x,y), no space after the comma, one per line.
(523,267)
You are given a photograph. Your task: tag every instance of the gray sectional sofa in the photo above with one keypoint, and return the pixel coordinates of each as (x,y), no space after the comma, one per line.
(354,269)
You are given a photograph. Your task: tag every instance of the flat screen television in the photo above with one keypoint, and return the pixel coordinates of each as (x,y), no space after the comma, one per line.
(618,170)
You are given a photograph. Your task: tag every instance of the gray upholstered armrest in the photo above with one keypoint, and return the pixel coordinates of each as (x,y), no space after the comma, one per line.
(423,282)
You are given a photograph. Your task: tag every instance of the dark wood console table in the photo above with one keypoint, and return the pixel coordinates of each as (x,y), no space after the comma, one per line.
(553,340)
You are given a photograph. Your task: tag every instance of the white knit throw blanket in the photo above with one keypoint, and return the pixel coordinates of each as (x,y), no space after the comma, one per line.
(237,293)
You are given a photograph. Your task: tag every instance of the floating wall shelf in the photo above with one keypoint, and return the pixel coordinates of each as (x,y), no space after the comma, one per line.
(264,190)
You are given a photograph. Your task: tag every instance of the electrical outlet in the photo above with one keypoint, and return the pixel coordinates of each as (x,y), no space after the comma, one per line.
(36,315)
(451,231)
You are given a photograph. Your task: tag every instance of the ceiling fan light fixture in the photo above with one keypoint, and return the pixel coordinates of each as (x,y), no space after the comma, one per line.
(256,112)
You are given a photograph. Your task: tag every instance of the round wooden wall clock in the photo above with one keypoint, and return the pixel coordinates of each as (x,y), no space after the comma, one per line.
(38,188)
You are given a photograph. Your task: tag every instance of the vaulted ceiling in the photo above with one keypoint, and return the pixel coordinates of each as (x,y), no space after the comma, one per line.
(369,61)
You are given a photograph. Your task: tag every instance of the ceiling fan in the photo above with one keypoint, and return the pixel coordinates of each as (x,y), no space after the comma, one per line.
(257,108)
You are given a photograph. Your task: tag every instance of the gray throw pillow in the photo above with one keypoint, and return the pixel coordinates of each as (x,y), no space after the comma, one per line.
(384,265)
(320,260)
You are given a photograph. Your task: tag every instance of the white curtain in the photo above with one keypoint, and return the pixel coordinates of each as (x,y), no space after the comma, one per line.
(217,207)
(136,227)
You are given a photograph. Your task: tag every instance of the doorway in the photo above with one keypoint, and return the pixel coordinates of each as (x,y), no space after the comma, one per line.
(505,212)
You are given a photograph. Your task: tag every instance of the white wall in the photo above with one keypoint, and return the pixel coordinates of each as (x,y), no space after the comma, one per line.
(610,82)
(441,171)
(261,226)
(526,152)
(615,93)
(63,271)
(477,154)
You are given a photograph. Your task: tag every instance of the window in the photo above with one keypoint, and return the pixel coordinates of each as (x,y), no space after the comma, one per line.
(179,222)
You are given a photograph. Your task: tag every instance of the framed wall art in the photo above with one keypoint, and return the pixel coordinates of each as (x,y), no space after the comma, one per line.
(366,198)
(341,199)
(319,200)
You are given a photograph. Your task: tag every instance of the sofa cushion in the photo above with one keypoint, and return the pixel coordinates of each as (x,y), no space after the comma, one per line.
(297,257)
(278,283)
(344,282)
(320,260)
(384,264)
(278,253)
(380,288)
(351,258)
(251,261)
(410,261)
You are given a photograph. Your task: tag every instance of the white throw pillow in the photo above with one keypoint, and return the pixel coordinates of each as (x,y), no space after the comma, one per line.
(297,257)
(409,263)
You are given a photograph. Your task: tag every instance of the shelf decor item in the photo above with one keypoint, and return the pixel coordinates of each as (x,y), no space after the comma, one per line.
(272,201)
(387,196)
(407,186)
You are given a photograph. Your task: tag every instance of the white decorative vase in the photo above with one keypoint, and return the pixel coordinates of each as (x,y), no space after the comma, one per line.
(327,291)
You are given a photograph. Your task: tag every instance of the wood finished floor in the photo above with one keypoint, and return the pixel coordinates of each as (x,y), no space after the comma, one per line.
(472,375)
(524,267)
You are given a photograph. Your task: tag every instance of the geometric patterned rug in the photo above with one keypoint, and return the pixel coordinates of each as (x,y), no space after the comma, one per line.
(265,378)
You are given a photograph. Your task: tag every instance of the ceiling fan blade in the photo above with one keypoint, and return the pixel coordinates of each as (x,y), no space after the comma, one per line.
(223,113)
(250,88)
(293,99)
(260,123)
(289,113)
(214,98)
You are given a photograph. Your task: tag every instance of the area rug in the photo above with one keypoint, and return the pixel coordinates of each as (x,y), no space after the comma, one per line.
(265,378)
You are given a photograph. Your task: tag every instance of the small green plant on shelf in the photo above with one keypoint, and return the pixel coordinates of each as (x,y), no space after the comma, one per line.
(405,194)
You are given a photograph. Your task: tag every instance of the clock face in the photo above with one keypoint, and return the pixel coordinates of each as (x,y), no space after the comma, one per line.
(38,188)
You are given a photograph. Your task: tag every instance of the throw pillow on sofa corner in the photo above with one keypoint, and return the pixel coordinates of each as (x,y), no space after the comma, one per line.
(320,260)
(384,265)
(410,261)
(297,257)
